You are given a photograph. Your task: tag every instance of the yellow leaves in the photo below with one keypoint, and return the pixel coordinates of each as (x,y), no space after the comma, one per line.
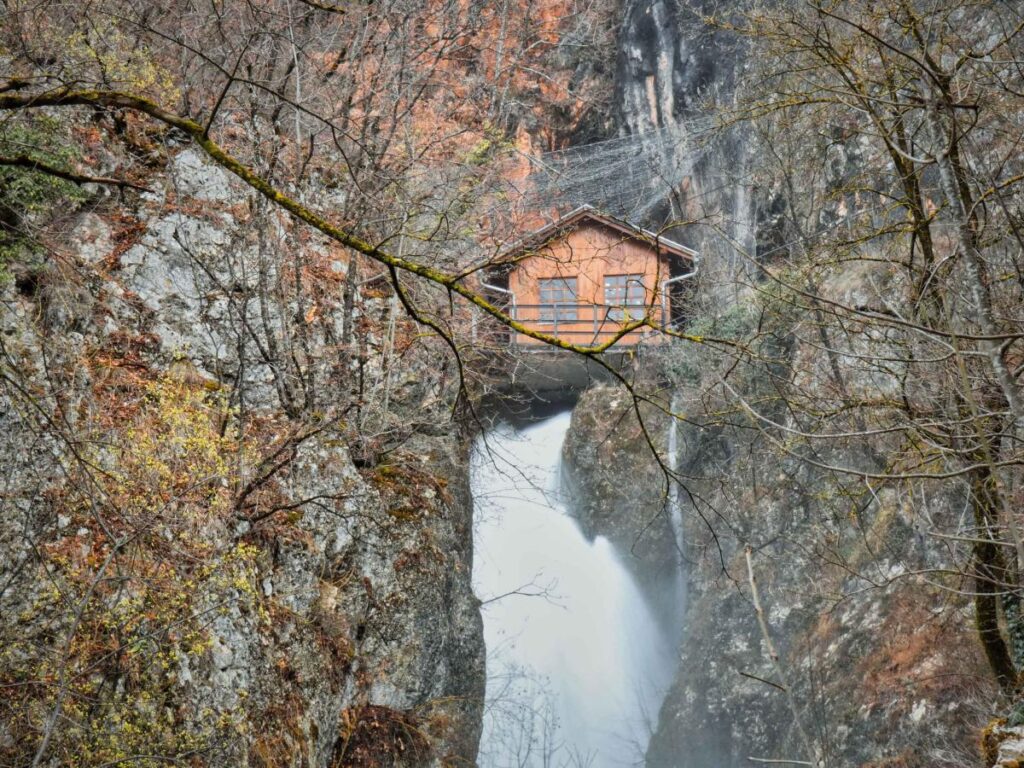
(106,52)
(172,458)
(139,633)
(153,493)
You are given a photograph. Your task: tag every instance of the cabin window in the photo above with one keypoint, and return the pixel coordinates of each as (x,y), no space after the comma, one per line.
(626,296)
(557,299)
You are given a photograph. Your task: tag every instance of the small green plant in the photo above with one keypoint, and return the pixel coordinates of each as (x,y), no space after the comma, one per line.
(28,194)
(491,144)
(686,362)
(736,323)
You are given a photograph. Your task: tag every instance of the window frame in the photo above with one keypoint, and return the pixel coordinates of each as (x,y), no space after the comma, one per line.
(556,308)
(624,298)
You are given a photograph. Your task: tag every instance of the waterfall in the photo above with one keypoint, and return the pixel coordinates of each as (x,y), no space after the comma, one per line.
(672,462)
(577,664)
(675,504)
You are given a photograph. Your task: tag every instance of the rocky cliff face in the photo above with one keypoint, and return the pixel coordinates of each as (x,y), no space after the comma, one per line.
(877,666)
(880,671)
(670,63)
(674,69)
(327,619)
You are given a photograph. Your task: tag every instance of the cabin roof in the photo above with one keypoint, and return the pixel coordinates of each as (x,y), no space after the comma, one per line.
(589,213)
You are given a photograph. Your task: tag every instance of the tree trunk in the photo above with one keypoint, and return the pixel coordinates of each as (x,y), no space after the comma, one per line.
(990,581)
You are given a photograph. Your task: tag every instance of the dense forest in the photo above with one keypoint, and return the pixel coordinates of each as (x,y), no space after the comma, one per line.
(263,373)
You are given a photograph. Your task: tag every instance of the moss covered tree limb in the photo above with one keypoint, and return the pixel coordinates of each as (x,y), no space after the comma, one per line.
(989,569)
(67,97)
(32,164)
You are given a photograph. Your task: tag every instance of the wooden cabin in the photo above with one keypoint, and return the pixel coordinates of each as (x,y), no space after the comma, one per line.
(582,276)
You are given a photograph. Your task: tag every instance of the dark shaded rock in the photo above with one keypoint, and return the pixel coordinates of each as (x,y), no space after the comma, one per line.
(619,488)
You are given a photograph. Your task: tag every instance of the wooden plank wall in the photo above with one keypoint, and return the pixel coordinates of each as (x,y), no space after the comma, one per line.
(587,253)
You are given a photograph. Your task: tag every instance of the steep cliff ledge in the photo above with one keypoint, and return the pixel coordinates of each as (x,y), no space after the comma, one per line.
(187,571)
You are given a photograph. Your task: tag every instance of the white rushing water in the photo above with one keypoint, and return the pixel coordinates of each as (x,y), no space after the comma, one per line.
(675,506)
(577,665)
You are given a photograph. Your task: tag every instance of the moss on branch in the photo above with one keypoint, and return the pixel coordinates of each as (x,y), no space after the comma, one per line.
(199,134)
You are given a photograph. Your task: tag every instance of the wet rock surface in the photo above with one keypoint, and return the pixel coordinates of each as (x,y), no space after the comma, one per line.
(617,486)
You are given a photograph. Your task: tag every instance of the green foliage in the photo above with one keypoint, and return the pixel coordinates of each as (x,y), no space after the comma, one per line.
(736,323)
(119,61)
(27,194)
(1016,716)
(493,143)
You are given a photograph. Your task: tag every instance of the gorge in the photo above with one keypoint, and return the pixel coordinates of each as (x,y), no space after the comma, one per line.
(285,485)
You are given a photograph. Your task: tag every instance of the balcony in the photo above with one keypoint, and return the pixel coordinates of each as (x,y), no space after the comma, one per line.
(587,325)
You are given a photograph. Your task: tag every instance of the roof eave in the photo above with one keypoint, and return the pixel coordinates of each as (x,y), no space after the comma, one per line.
(549,231)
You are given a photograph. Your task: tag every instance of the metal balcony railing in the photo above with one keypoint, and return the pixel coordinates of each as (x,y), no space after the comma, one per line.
(587,324)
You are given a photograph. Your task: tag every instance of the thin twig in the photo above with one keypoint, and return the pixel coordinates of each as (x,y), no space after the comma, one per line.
(32,164)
